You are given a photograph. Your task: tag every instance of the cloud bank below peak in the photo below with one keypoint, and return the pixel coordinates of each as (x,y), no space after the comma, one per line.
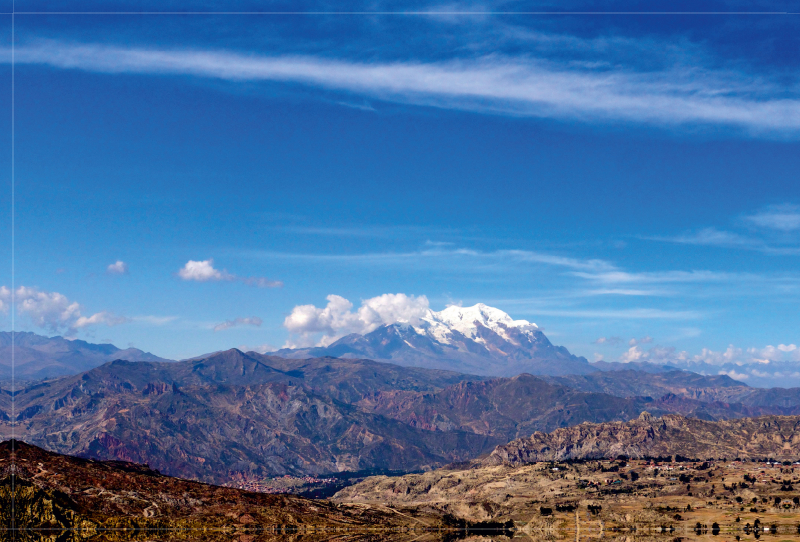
(520,85)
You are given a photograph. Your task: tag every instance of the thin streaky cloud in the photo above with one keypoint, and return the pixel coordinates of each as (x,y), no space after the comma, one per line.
(504,256)
(238,322)
(520,86)
(360,107)
(785,218)
(629,292)
(625,314)
(606,276)
(659,277)
(154,320)
(261,282)
(709,237)
(367,231)
(724,239)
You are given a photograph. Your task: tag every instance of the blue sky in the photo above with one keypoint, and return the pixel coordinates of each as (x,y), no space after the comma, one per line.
(609,177)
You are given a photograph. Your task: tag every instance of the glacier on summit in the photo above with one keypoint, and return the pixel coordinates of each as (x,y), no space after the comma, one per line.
(480,340)
(466,320)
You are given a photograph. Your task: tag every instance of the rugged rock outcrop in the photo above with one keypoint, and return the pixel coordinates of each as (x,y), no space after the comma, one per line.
(775,437)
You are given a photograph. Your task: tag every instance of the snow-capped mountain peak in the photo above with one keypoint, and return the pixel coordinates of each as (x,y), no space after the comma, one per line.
(476,340)
(466,321)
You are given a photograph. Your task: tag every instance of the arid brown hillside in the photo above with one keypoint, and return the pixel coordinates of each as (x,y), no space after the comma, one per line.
(58,491)
(768,436)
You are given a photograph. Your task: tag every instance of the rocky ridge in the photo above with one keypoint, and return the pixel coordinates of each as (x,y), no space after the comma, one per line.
(776,437)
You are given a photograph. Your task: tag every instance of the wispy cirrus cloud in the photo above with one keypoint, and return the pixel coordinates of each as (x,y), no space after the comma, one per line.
(439,253)
(625,314)
(771,230)
(371,230)
(662,277)
(154,320)
(784,218)
(238,322)
(495,84)
(613,341)
(629,292)
(710,237)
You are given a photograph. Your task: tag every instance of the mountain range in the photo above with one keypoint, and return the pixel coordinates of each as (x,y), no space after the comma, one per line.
(478,340)
(236,415)
(36,357)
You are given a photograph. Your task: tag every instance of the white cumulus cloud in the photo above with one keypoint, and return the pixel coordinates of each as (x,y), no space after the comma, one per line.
(117,268)
(337,318)
(204,271)
(54,311)
(634,353)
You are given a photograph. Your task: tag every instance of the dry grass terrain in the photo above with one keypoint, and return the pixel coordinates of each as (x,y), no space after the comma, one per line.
(601,495)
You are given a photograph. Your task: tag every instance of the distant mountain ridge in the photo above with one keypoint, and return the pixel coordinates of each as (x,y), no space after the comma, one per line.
(235,415)
(478,340)
(37,356)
